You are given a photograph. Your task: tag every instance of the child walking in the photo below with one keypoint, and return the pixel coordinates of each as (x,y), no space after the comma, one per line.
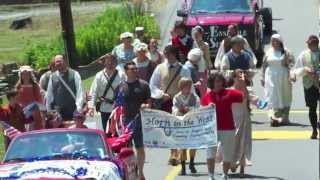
(183,102)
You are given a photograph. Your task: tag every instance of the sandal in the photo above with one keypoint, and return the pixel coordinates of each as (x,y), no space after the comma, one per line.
(274,123)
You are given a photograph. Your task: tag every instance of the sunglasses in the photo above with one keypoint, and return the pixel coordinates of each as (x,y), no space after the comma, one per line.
(132,69)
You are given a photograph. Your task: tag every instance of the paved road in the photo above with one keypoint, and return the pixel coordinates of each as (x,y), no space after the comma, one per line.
(8,12)
(293,158)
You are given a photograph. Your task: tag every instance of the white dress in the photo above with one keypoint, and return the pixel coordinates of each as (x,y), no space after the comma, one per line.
(278,88)
(243,142)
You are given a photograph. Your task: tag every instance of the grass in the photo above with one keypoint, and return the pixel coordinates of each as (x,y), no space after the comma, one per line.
(42,30)
(1,146)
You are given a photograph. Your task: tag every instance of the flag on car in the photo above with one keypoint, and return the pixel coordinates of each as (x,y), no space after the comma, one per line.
(8,130)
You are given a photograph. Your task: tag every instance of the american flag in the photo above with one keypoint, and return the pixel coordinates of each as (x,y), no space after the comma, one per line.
(8,130)
(116,115)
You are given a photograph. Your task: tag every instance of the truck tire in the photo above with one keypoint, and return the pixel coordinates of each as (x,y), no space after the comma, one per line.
(267,20)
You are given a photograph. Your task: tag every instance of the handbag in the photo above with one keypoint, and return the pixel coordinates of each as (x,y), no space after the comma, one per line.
(157,103)
(108,86)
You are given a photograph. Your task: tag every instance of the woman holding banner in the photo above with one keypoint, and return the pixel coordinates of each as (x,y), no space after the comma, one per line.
(183,102)
(223,99)
(241,115)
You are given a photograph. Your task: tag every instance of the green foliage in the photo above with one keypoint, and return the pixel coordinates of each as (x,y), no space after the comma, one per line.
(97,38)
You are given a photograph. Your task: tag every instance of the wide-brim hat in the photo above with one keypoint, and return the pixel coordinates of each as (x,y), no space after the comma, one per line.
(126,35)
(137,29)
(25,68)
(141,47)
(277,37)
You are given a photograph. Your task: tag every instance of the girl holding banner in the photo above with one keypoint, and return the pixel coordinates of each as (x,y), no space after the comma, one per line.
(183,102)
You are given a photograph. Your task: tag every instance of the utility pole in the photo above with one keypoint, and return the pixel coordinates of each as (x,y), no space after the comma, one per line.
(68,32)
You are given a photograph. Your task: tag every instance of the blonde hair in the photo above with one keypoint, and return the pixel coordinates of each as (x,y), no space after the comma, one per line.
(183,82)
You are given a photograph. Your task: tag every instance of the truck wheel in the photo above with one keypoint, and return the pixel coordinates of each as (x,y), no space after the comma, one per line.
(267,20)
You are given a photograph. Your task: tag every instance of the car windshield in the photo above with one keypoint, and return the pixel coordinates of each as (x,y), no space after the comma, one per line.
(57,145)
(221,6)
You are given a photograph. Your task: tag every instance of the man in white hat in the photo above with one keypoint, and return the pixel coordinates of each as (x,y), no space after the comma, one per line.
(140,38)
(124,52)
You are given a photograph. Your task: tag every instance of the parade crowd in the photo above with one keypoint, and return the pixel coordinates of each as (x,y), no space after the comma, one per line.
(177,80)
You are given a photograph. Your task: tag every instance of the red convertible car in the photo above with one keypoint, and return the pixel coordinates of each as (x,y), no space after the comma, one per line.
(214,16)
(68,154)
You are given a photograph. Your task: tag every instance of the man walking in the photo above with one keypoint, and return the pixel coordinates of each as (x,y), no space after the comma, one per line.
(103,87)
(308,66)
(226,45)
(237,58)
(136,94)
(64,92)
(164,85)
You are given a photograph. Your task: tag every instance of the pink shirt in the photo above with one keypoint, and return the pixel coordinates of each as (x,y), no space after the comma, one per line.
(28,94)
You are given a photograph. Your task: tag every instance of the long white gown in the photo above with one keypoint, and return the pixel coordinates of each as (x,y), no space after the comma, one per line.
(278,88)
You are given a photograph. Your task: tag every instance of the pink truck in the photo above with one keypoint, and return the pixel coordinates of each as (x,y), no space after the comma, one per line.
(255,21)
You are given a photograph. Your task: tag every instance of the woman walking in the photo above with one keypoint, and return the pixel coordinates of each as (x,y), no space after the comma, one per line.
(29,96)
(276,80)
(153,53)
(241,116)
(124,52)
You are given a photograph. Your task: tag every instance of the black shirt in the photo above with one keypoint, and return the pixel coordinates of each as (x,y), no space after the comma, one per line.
(135,94)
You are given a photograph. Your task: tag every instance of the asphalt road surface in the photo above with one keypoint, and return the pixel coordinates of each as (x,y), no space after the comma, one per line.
(283,153)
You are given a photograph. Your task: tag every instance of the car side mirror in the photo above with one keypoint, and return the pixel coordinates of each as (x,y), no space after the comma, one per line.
(125,153)
(182,13)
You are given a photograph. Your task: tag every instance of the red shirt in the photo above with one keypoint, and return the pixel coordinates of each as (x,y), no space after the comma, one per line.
(28,94)
(184,47)
(223,101)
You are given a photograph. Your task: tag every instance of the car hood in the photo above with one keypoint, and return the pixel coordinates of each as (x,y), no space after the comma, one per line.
(61,169)
(220,19)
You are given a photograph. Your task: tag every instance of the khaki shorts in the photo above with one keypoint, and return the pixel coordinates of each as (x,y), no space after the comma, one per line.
(226,141)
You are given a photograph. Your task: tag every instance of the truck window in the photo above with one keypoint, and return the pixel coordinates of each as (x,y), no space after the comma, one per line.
(221,6)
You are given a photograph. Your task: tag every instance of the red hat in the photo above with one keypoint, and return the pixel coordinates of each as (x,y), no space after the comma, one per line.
(313,39)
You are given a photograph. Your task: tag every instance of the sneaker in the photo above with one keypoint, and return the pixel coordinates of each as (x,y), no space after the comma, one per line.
(274,123)
(173,162)
(193,170)
(261,104)
(224,177)
(182,172)
(314,135)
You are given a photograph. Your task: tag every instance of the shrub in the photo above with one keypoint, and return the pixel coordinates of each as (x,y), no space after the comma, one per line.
(95,39)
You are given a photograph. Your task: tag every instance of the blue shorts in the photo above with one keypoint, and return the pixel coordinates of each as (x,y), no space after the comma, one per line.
(137,133)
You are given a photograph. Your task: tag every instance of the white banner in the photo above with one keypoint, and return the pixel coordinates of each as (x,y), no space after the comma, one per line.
(94,122)
(196,130)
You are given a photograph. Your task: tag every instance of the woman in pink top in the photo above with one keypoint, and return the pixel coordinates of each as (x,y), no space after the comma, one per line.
(29,95)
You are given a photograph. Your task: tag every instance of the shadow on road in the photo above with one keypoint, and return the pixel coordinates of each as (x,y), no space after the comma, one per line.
(250,176)
(257,122)
(297,125)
